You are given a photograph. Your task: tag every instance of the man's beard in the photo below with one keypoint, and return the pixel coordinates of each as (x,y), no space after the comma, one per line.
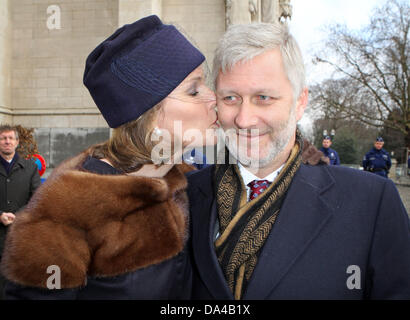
(280,137)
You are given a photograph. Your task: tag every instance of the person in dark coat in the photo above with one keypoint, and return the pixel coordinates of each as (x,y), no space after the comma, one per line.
(377,160)
(269,226)
(19,178)
(329,152)
(112,222)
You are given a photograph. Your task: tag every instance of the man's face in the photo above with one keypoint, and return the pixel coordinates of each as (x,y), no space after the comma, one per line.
(326,143)
(258,95)
(8,143)
(378,145)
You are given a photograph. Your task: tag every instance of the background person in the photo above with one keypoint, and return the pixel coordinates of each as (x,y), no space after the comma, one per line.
(329,152)
(377,160)
(19,179)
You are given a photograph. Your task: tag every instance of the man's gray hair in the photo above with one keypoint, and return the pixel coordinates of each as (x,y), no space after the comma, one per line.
(243,42)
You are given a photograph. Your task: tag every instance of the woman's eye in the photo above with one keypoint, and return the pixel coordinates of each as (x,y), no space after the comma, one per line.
(263,97)
(194,93)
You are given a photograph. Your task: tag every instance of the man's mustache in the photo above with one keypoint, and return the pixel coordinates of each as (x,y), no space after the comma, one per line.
(248,132)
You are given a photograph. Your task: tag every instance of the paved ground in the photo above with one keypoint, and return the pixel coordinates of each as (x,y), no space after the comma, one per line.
(405,196)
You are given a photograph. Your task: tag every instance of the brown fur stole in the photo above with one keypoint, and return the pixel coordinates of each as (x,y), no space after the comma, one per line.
(313,156)
(98,225)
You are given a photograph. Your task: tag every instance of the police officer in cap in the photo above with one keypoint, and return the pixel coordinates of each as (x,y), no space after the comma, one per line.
(329,152)
(377,160)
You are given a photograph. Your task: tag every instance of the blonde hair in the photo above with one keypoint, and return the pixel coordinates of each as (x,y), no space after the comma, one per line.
(130,145)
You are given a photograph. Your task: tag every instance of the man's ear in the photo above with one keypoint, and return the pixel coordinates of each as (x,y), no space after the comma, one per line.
(301,103)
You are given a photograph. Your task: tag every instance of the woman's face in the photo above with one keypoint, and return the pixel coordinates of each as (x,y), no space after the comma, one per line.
(188,113)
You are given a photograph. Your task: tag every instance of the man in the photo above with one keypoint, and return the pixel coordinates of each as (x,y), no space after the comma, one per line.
(271,227)
(329,152)
(19,178)
(377,160)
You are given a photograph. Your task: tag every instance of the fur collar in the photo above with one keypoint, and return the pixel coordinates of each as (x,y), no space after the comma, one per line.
(96,225)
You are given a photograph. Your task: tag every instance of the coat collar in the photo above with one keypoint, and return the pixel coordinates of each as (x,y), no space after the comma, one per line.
(204,217)
(304,213)
(16,163)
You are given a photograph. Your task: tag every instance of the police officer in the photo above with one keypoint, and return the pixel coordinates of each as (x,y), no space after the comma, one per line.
(330,153)
(377,160)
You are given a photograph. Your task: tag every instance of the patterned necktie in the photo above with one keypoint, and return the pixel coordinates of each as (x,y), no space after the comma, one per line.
(257,187)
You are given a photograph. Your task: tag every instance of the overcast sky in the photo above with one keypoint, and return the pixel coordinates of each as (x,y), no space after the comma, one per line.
(309,16)
(308,19)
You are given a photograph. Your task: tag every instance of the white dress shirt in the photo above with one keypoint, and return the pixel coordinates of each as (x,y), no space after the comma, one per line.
(248,176)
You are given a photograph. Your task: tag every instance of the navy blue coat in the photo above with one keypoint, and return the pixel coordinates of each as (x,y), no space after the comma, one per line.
(377,161)
(168,276)
(333,218)
(16,188)
(332,155)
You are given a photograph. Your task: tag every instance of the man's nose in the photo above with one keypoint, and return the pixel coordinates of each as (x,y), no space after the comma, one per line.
(246,117)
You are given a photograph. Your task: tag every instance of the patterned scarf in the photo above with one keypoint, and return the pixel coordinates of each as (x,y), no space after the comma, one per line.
(245,226)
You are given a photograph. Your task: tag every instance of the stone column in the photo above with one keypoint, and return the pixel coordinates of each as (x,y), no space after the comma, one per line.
(241,11)
(5,62)
(270,11)
(132,10)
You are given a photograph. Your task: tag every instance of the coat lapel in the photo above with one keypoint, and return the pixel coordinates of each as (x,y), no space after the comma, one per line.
(204,216)
(303,215)
(3,170)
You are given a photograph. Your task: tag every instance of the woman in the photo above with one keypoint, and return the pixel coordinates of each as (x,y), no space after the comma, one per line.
(110,224)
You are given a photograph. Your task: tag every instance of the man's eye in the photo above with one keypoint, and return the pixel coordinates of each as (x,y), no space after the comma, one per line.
(263,97)
(194,93)
(230,99)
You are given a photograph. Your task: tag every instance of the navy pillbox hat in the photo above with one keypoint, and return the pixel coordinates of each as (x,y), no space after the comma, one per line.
(137,67)
(379,139)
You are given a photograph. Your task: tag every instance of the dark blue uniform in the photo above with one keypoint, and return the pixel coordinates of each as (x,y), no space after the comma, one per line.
(377,161)
(332,155)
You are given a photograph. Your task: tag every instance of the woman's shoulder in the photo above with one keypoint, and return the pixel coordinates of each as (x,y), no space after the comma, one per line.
(97,166)
(89,223)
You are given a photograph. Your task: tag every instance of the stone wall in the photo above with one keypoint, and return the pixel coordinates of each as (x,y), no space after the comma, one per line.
(48,64)
(5,62)
(203,21)
(41,66)
(58,144)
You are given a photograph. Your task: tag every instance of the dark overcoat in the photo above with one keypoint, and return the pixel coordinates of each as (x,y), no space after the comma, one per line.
(16,189)
(101,236)
(340,234)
